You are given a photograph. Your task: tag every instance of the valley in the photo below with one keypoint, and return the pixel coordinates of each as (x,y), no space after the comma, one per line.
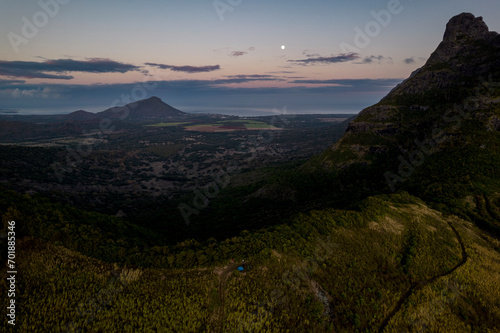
(138,218)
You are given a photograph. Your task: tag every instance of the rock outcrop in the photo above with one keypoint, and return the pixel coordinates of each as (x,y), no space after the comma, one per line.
(461,74)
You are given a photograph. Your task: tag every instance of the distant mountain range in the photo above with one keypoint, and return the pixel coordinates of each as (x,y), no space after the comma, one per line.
(151,108)
(20,127)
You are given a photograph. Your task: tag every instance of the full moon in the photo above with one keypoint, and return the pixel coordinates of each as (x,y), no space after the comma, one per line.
(282,47)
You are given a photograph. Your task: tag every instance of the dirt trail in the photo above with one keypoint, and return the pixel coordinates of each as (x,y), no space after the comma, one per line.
(419,285)
(222,293)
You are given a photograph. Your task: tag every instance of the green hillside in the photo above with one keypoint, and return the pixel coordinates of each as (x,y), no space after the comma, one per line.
(395,263)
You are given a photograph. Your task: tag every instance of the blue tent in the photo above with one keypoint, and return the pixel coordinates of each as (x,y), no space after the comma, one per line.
(241,268)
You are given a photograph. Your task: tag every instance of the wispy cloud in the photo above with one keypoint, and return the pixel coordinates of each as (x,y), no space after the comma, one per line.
(241,53)
(355,84)
(409,61)
(243,78)
(310,55)
(252,76)
(32,69)
(9,82)
(343,57)
(92,65)
(238,53)
(335,94)
(373,59)
(35,93)
(186,69)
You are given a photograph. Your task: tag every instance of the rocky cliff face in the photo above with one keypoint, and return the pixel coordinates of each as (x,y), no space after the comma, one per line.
(468,50)
(437,134)
(462,73)
(460,30)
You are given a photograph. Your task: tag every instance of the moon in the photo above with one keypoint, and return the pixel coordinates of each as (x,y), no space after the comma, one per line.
(282,47)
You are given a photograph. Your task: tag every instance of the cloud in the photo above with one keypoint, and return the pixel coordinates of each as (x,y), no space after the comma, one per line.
(44,93)
(310,55)
(373,59)
(8,82)
(241,53)
(9,111)
(238,53)
(32,69)
(331,95)
(355,84)
(243,78)
(343,57)
(409,61)
(186,69)
(30,73)
(252,76)
(93,65)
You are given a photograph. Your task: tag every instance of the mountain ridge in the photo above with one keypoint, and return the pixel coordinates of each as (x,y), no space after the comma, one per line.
(436,134)
(80,115)
(145,109)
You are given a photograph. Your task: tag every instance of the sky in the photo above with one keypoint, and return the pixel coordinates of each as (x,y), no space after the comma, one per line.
(225,56)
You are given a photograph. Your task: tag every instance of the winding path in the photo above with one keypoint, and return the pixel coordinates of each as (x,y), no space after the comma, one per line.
(222,293)
(419,285)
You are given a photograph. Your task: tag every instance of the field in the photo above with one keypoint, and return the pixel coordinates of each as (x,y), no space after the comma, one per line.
(223,126)
(332,120)
(231,126)
(212,128)
(168,124)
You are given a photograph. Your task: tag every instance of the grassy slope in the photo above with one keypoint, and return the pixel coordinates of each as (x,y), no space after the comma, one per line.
(329,270)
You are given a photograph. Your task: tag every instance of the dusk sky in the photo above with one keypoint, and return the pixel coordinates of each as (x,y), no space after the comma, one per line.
(229,56)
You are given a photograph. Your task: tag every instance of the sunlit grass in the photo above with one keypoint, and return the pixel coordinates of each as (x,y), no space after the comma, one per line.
(168,124)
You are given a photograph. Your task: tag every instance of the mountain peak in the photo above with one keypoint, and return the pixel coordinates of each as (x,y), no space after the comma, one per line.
(80,115)
(465,24)
(150,108)
(461,74)
(153,98)
(460,31)
(468,52)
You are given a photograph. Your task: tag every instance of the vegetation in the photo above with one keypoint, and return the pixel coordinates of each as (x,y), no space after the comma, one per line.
(168,124)
(376,254)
